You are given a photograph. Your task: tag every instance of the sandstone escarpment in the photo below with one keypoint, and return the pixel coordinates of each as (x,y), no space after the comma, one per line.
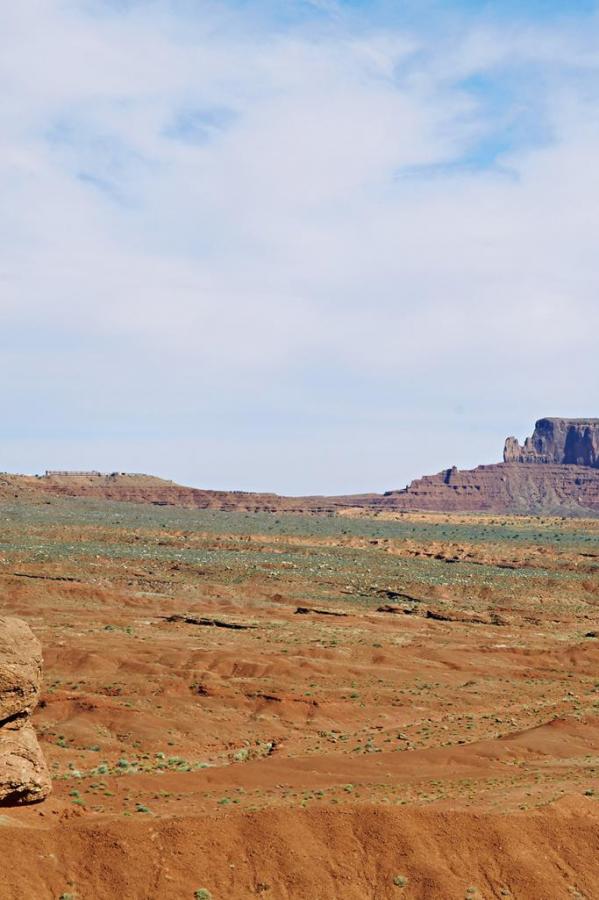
(555,471)
(503,488)
(572,442)
(24,776)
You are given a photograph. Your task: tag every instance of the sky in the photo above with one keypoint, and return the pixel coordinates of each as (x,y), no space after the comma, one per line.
(308,246)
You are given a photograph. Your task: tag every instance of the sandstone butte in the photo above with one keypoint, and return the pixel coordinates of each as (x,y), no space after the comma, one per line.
(555,472)
(24,776)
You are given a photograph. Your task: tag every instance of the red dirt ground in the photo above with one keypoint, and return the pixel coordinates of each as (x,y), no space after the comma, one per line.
(363,755)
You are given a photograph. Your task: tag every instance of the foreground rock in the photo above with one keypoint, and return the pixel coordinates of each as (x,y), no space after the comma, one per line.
(20,668)
(24,776)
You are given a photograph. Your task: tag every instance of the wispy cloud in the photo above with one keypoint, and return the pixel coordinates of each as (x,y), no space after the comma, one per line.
(310,225)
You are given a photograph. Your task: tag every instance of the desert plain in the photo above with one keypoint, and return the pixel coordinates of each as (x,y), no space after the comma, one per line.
(351,705)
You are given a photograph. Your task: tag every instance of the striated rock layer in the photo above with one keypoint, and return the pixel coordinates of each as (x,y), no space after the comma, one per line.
(503,488)
(24,776)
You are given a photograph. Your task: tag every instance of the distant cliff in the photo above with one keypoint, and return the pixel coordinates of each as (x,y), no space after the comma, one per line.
(512,487)
(555,472)
(569,442)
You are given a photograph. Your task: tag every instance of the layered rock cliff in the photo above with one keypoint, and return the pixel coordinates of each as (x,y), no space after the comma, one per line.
(531,487)
(570,442)
(512,487)
(555,471)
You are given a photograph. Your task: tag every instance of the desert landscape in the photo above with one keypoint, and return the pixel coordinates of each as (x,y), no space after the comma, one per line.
(299,456)
(360,703)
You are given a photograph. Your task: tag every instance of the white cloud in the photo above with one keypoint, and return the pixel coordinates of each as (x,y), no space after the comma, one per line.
(332,224)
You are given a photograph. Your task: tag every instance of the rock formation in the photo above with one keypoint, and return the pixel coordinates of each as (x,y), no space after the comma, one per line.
(503,488)
(570,442)
(24,777)
(555,472)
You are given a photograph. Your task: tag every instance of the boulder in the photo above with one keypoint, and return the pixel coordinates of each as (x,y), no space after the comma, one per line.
(24,776)
(20,668)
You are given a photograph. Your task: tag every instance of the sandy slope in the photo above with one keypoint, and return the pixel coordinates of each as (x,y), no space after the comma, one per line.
(327,854)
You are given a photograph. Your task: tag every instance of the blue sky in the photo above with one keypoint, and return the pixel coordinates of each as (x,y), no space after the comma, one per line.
(301,246)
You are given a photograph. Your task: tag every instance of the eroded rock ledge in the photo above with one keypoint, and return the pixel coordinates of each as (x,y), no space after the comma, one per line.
(559,442)
(24,776)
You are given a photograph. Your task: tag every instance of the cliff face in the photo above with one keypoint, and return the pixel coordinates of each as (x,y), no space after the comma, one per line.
(570,442)
(502,488)
(511,487)
(556,471)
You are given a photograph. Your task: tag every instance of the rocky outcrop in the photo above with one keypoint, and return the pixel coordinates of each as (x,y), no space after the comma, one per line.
(20,668)
(570,442)
(24,776)
(555,472)
(503,488)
